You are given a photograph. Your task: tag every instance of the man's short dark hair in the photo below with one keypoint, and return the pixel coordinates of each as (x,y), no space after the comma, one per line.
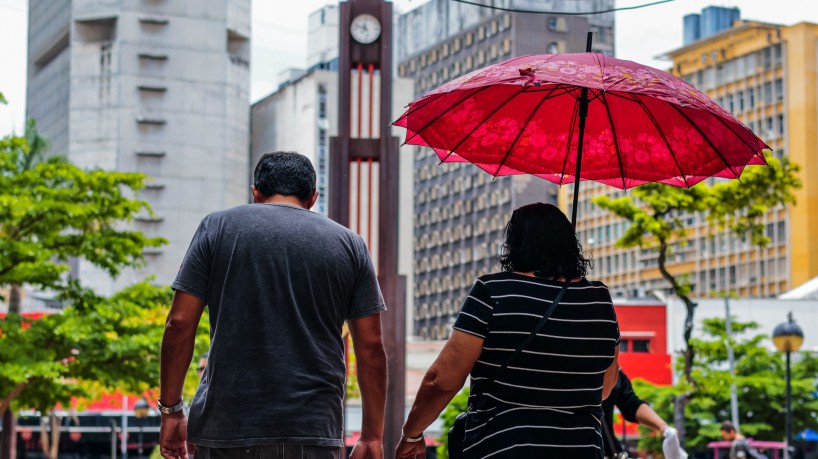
(727,426)
(286,173)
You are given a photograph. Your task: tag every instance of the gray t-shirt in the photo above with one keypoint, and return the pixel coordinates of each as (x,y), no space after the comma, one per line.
(279,281)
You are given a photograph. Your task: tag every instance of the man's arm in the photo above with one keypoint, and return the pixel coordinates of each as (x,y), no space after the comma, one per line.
(371,364)
(177,351)
(177,344)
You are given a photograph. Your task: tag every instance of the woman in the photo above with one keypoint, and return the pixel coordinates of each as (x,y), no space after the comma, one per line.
(547,403)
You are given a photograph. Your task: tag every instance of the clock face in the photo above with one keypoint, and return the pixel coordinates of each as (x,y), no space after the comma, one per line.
(365,29)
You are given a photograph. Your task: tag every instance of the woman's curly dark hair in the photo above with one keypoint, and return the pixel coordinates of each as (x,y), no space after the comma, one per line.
(540,238)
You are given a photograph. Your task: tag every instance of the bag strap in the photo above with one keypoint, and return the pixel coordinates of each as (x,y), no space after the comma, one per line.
(609,436)
(525,343)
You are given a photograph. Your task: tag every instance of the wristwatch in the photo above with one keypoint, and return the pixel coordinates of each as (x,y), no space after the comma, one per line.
(170,409)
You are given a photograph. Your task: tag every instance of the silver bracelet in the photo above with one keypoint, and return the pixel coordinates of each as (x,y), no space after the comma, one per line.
(412,440)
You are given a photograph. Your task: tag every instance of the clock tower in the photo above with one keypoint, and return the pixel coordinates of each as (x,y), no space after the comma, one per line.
(363,185)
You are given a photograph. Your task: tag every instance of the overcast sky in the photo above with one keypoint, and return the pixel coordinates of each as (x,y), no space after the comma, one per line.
(280,38)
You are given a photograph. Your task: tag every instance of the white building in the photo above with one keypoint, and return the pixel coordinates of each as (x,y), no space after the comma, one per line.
(160,88)
(767,312)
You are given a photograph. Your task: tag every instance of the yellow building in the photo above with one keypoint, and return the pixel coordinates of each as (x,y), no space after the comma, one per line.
(766,75)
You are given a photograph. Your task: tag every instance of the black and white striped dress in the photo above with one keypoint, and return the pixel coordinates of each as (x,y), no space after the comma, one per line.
(547,404)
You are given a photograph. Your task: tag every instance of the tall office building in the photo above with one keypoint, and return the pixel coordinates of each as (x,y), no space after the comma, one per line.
(160,88)
(460,210)
(765,74)
(709,22)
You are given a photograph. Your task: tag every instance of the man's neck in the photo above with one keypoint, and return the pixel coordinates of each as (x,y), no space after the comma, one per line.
(282,199)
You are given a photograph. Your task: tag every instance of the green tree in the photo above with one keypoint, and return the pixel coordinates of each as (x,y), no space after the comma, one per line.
(657,215)
(458,405)
(50,212)
(759,376)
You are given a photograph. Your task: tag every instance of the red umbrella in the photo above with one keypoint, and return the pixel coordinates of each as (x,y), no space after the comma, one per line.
(585,116)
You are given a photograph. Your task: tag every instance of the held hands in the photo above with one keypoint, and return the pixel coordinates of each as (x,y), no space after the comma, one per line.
(173,437)
(411,449)
(367,449)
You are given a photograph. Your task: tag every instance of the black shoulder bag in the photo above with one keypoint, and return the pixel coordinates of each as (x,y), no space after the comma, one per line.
(457,433)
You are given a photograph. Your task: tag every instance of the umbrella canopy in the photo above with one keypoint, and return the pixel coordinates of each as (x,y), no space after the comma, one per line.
(807,435)
(643,125)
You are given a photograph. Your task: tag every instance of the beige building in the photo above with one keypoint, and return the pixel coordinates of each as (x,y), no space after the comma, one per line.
(765,74)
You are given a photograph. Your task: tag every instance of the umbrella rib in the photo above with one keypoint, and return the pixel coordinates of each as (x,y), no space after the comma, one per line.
(433,120)
(428,101)
(661,134)
(477,126)
(755,153)
(707,139)
(615,140)
(525,125)
(570,138)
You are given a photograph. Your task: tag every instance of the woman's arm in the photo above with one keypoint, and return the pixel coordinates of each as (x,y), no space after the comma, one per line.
(611,375)
(442,382)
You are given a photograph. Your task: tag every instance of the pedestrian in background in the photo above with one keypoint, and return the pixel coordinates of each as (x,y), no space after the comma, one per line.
(634,409)
(279,281)
(739,448)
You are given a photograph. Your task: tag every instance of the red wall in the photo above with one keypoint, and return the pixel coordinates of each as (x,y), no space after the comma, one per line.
(644,322)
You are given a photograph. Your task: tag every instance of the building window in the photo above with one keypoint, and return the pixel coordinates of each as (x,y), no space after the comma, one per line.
(623,345)
(779,89)
(456,44)
(481,57)
(507,46)
(469,38)
(752,93)
(741,101)
(553,48)
(322,101)
(779,121)
(768,93)
(641,345)
(493,27)
(507,20)
(553,23)
(444,50)
(481,34)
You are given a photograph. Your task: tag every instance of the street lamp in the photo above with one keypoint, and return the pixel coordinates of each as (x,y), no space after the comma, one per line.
(140,410)
(788,337)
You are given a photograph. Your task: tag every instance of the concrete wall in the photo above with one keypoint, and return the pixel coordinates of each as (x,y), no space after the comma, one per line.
(159,88)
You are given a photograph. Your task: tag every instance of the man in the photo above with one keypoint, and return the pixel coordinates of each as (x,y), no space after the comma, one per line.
(279,281)
(739,449)
(634,409)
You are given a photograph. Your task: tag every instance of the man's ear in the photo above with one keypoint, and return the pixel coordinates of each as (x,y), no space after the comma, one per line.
(312,200)
(257,195)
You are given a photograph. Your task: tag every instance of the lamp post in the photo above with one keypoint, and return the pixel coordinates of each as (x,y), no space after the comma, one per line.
(140,410)
(788,337)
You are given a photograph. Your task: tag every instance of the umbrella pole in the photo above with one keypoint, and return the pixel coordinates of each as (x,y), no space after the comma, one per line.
(583,114)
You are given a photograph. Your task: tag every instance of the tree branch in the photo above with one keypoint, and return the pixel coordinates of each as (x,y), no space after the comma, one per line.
(6,402)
